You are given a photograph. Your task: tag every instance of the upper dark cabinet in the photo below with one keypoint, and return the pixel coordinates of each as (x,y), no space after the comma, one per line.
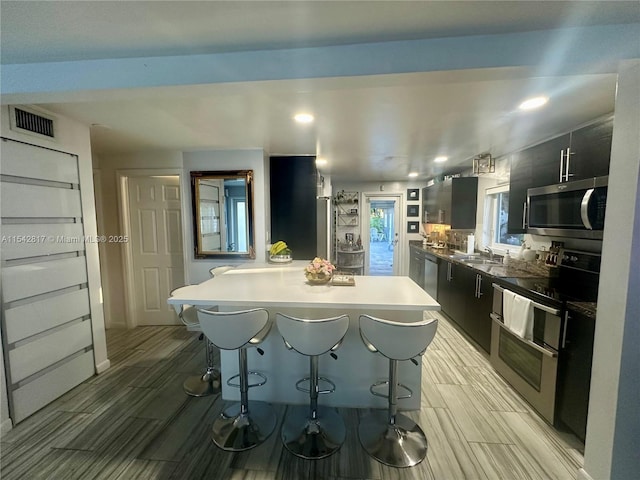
(548,161)
(590,150)
(452,202)
(583,153)
(293,204)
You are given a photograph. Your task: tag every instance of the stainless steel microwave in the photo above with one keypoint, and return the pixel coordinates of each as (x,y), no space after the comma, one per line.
(571,209)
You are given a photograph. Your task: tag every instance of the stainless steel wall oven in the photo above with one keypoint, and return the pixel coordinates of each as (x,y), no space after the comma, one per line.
(530,366)
(552,371)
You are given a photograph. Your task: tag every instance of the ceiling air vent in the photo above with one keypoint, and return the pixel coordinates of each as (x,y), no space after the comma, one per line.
(26,121)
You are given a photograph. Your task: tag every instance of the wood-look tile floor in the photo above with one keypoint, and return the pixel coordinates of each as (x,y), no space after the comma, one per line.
(135,422)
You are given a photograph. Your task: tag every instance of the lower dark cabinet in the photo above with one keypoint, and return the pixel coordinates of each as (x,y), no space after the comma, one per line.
(450,291)
(466,297)
(574,373)
(416,266)
(478,308)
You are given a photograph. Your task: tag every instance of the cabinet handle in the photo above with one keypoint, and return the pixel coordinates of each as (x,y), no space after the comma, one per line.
(479,285)
(440,216)
(524,215)
(449,273)
(475,293)
(567,174)
(561,165)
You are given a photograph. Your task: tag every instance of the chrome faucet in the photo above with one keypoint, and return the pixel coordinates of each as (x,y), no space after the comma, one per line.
(490,250)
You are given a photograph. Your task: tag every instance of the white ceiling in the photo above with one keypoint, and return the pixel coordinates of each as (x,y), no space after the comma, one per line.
(371,127)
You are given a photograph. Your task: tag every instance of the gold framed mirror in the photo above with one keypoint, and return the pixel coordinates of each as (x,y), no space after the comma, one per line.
(223,213)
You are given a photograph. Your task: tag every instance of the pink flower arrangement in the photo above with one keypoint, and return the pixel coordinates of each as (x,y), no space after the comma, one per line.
(319,266)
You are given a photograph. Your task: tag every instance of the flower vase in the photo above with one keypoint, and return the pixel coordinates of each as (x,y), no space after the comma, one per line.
(318,278)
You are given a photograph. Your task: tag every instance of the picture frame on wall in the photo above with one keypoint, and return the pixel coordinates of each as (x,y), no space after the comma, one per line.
(413,194)
(413,227)
(413,210)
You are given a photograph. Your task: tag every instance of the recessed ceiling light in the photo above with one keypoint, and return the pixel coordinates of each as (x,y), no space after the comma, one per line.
(533,103)
(441,159)
(303,118)
(413,174)
(321,162)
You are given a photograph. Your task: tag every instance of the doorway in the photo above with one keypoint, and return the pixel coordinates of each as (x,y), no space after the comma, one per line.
(153,244)
(383,237)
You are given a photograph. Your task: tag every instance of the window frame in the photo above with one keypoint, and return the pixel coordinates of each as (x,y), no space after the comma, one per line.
(491,220)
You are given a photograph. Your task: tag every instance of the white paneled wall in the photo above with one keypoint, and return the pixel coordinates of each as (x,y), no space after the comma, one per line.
(46,321)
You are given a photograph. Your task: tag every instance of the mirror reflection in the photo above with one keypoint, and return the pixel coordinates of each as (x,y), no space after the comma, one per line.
(223,213)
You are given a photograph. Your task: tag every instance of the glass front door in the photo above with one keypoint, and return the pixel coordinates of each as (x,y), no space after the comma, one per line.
(383,236)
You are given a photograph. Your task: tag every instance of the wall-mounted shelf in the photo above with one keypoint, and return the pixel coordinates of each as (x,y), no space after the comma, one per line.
(346,225)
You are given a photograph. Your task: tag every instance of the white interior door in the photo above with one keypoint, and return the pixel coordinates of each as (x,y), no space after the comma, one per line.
(382,233)
(156,247)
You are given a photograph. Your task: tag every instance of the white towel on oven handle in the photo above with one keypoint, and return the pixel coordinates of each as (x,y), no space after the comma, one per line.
(517,312)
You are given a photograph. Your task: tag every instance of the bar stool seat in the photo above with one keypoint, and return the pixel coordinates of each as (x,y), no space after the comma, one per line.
(208,383)
(313,432)
(246,424)
(394,439)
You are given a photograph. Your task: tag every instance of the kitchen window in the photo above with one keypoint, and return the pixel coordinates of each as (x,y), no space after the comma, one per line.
(496,218)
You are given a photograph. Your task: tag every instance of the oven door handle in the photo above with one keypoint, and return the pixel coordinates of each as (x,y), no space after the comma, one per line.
(497,319)
(539,306)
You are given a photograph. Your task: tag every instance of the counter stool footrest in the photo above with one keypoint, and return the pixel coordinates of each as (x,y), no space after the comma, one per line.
(409,393)
(331,389)
(237,385)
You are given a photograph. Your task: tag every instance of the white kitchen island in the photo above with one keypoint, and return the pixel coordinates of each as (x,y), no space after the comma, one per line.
(283,288)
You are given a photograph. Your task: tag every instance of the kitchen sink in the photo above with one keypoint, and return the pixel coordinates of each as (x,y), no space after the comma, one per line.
(480,261)
(474,259)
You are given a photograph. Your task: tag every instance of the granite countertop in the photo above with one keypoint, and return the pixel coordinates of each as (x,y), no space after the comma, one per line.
(520,274)
(588,309)
(517,269)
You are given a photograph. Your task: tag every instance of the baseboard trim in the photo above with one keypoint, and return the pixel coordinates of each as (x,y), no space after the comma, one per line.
(6,426)
(102,366)
(582,475)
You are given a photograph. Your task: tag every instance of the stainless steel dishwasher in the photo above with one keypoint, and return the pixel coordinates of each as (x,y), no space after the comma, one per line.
(431,275)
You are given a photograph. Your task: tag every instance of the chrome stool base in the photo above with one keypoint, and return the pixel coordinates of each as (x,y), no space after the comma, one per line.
(313,439)
(202,385)
(402,444)
(235,431)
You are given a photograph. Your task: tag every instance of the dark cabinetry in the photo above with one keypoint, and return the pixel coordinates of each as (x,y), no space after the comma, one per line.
(583,153)
(574,372)
(478,308)
(416,266)
(590,150)
(466,297)
(293,204)
(451,202)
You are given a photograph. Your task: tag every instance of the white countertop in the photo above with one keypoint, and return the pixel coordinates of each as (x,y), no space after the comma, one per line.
(283,288)
(275,285)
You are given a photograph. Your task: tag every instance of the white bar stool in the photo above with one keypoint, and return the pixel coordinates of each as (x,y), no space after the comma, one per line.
(243,425)
(394,439)
(209,382)
(313,432)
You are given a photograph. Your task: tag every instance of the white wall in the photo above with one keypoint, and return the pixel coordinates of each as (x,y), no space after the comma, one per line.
(72,137)
(197,270)
(108,168)
(613,427)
